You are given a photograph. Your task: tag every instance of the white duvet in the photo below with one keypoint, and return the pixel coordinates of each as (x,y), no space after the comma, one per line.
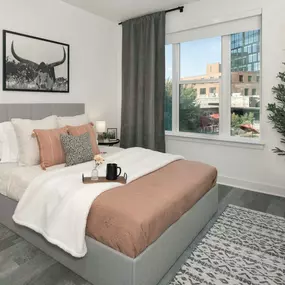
(56,204)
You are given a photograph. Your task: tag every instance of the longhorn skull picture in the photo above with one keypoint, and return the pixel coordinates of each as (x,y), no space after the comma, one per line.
(26,74)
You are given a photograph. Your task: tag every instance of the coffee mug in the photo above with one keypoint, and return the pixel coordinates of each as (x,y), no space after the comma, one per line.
(112,171)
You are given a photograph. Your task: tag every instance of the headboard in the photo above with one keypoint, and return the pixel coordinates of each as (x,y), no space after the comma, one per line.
(39,111)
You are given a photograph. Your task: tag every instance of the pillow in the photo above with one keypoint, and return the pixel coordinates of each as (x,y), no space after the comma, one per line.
(28,145)
(80,130)
(8,143)
(50,147)
(77,149)
(73,121)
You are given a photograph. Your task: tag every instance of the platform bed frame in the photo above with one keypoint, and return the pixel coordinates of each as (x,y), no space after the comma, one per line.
(105,266)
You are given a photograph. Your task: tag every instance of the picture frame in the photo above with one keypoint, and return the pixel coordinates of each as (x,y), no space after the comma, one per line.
(112,134)
(34,64)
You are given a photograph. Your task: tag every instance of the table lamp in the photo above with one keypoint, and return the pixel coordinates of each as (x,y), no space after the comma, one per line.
(100,129)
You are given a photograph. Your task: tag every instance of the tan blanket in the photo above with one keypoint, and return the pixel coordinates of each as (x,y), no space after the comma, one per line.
(130,218)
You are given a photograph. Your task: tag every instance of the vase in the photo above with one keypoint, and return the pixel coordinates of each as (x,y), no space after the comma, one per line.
(95,173)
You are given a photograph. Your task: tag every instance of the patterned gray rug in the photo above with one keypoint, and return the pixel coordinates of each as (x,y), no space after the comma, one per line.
(242,247)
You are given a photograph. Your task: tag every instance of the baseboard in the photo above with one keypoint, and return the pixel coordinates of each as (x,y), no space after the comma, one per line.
(253,186)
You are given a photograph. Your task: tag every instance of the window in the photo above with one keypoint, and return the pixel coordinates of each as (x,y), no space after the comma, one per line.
(250,58)
(249,49)
(245,111)
(203,91)
(213,91)
(200,69)
(256,66)
(168,88)
(214,85)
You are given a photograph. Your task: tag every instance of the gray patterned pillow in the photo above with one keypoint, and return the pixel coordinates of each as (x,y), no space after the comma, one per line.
(77,149)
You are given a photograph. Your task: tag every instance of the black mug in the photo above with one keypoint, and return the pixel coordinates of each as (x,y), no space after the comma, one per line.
(112,171)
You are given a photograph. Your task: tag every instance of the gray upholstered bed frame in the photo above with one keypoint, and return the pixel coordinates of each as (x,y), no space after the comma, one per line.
(103,265)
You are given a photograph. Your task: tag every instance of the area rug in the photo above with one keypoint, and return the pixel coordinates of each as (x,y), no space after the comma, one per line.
(242,247)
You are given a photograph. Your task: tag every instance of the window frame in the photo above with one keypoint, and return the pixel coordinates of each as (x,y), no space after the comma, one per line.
(225,101)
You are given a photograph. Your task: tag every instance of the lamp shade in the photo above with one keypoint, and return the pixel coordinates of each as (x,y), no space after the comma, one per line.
(100,126)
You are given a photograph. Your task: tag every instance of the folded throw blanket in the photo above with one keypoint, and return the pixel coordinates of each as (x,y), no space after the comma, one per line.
(57,203)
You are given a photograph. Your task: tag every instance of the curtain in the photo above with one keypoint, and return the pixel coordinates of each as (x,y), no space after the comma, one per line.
(143,82)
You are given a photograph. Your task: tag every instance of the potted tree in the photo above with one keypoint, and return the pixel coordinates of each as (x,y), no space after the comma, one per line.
(277,110)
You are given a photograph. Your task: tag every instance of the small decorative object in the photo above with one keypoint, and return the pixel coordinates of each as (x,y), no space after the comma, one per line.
(100,129)
(98,161)
(112,134)
(34,64)
(105,137)
(277,110)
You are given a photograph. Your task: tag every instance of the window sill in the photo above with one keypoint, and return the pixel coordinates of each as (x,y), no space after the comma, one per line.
(216,140)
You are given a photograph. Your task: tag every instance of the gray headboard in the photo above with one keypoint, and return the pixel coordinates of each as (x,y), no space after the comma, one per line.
(39,111)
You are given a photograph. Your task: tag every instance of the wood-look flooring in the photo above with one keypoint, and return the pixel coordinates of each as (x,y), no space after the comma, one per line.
(23,264)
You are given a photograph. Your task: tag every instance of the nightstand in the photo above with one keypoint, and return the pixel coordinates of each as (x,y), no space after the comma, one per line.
(109,143)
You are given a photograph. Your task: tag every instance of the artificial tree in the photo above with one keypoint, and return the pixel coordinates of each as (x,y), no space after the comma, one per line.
(277,110)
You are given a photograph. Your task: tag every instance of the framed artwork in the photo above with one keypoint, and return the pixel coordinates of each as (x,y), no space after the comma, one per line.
(34,64)
(112,133)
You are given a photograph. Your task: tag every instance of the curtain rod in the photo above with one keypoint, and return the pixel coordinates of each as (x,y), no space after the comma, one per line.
(180,8)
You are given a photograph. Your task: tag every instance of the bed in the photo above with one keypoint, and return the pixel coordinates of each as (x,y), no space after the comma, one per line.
(104,264)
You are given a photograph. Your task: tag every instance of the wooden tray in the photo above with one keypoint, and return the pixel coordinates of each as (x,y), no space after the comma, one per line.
(87,180)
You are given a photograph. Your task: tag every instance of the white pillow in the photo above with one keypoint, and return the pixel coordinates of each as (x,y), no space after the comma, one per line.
(73,121)
(28,145)
(8,143)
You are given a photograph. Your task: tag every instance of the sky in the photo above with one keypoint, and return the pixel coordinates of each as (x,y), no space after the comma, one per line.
(194,56)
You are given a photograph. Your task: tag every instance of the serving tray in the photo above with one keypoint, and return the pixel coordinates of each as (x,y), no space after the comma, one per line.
(87,180)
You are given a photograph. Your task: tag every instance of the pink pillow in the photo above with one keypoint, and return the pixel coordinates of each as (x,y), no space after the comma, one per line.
(51,151)
(88,128)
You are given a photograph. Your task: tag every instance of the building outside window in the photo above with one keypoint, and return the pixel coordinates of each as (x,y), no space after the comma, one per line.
(245,111)
(199,85)
(195,110)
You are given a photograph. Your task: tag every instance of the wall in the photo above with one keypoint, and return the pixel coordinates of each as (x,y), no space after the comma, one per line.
(256,169)
(93,53)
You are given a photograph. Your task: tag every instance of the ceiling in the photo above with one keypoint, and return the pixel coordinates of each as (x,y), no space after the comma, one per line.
(120,10)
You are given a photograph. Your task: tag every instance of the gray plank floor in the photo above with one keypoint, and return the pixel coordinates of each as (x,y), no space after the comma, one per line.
(23,264)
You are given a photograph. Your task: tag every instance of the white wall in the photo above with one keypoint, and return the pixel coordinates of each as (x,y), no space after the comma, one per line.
(256,169)
(93,53)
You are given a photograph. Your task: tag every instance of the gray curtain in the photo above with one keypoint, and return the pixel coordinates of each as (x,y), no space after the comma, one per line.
(143,80)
